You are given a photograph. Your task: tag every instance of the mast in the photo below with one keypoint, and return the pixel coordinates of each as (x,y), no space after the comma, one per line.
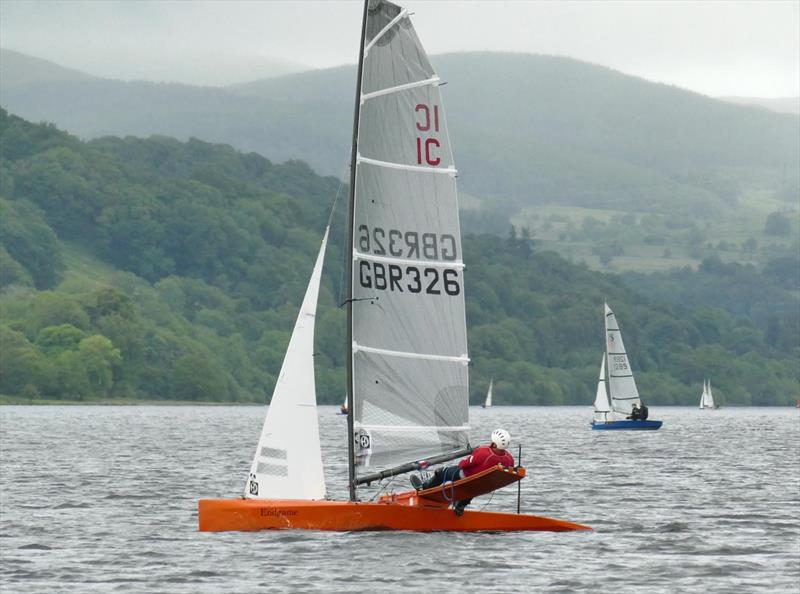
(351,468)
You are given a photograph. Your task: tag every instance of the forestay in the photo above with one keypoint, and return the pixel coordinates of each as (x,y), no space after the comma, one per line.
(621,385)
(409,349)
(288,460)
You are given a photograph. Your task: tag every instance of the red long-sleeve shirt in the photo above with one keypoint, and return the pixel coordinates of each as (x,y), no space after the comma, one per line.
(485,457)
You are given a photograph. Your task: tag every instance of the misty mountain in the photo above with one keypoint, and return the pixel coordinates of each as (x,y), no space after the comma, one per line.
(526,129)
(776,104)
(18,70)
(211,69)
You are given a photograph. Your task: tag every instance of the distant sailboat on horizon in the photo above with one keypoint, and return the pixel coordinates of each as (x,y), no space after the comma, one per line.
(488,402)
(707,398)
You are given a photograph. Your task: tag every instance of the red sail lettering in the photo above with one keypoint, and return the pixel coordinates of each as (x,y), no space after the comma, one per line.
(428,158)
(427,126)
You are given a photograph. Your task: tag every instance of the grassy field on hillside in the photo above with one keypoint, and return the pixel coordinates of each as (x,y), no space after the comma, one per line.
(650,243)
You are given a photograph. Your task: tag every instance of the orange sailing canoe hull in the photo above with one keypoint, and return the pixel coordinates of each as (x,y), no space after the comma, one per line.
(218,515)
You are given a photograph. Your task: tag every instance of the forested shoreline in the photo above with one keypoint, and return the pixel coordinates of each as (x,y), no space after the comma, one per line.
(165,270)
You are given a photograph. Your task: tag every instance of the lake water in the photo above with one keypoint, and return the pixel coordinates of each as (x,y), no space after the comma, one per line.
(105,498)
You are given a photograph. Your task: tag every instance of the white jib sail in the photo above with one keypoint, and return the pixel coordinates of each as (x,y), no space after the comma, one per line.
(409,351)
(621,385)
(488,401)
(703,395)
(601,405)
(288,460)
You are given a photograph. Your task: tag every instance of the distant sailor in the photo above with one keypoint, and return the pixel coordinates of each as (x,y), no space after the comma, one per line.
(639,413)
(482,458)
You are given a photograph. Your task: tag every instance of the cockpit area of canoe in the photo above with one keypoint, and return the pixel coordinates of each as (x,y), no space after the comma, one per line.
(448,493)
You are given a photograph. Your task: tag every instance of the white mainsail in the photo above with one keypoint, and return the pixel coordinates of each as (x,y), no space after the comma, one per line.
(488,402)
(601,404)
(410,382)
(288,460)
(621,385)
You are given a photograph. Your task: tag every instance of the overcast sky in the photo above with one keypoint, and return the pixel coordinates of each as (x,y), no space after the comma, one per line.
(716,48)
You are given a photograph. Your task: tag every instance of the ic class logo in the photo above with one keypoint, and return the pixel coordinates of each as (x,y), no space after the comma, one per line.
(426,148)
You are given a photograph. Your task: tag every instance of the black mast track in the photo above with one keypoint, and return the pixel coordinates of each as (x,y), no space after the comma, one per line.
(351,468)
(411,466)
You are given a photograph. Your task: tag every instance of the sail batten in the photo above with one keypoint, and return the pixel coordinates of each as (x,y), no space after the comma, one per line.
(406,167)
(420,83)
(393,260)
(408,344)
(463,359)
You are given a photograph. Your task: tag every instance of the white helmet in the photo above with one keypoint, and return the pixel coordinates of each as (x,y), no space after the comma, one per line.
(501,438)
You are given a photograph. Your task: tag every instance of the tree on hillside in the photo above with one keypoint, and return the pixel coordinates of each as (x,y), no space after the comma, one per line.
(20,362)
(197,378)
(99,358)
(30,242)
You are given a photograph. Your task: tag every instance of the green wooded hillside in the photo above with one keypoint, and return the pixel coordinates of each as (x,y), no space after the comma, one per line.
(174,270)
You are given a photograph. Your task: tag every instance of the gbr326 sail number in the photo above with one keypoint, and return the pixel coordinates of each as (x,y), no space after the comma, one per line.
(408,278)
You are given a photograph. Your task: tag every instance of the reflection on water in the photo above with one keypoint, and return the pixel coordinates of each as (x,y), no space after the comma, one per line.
(104,498)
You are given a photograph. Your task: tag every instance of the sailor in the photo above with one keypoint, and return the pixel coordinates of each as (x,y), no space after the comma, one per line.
(635,413)
(482,458)
(643,412)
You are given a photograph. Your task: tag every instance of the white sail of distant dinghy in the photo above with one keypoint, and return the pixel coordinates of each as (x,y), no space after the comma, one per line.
(621,385)
(288,460)
(488,402)
(602,407)
(409,380)
(706,398)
